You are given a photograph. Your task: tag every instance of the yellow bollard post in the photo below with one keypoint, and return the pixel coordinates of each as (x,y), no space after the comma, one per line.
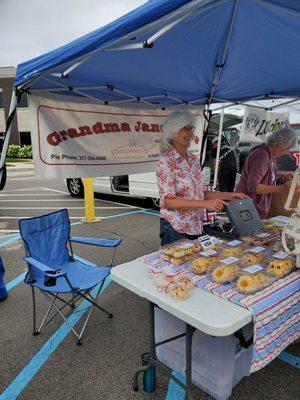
(89,203)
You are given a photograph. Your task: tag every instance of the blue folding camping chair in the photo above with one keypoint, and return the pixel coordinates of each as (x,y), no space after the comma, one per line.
(53,269)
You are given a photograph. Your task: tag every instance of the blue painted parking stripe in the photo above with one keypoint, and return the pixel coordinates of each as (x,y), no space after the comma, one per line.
(175,392)
(290,359)
(35,364)
(10,240)
(11,284)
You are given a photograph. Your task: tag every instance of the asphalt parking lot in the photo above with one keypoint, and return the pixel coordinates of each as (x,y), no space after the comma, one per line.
(51,366)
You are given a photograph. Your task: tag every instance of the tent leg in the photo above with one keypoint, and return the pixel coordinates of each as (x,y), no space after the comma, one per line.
(218,150)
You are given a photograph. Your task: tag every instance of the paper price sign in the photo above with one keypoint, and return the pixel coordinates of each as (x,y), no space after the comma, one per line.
(263,234)
(208,253)
(205,242)
(229,260)
(281,255)
(234,243)
(257,249)
(253,268)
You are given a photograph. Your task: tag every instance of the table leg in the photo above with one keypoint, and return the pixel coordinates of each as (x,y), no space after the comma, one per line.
(152,357)
(188,367)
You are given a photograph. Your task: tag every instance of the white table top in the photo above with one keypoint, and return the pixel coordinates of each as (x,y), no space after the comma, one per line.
(202,310)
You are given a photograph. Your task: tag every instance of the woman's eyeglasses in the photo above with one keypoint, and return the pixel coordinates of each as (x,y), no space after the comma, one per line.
(189,128)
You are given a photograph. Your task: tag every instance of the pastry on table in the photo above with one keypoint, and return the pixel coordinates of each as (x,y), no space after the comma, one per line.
(280,268)
(186,283)
(168,251)
(249,259)
(234,251)
(224,273)
(179,253)
(176,261)
(249,283)
(275,229)
(165,257)
(200,265)
(197,247)
(247,239)
(179,292)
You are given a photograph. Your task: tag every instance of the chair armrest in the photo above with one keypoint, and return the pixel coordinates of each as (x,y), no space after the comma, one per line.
(48,271)
(103,242)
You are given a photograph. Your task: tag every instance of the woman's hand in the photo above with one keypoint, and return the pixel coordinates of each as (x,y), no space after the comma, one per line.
(214,204)
(237,196)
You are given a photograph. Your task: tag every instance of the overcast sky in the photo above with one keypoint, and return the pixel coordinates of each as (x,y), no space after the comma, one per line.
(29,28)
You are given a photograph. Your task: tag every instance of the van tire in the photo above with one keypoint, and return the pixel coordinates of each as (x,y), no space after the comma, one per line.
(75,187)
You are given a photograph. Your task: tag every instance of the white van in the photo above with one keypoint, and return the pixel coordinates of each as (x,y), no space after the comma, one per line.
(135,185)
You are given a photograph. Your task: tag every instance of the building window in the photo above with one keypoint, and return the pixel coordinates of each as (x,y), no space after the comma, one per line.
(25,138)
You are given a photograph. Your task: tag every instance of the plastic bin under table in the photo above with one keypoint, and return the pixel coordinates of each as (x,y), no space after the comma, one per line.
(221,324)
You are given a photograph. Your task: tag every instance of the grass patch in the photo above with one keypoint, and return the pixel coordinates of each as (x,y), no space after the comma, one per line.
(16,160)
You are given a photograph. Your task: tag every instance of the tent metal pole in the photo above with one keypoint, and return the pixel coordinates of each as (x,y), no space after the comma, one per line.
(218,150)
(283,104)
(10,119)
(220,66)
(81,59)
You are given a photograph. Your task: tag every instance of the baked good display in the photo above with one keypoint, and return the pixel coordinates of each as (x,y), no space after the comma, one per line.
(250,283)
(280,268)
(179,292)
(176,261)
(186,283)
(224,273)
(247,239)
(233,251)
(168,251)
(200,265)
(161,280)
(250,259)
(179,253)
(275,229)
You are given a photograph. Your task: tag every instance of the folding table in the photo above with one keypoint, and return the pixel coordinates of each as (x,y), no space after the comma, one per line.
(201,310)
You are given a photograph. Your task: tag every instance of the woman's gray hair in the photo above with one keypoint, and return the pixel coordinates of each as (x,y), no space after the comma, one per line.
(285,137)
(172,125)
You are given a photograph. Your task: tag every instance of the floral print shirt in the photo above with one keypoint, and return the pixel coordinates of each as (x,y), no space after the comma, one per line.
(177,177)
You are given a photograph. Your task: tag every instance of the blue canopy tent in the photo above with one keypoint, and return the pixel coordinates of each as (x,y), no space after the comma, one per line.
(177,53)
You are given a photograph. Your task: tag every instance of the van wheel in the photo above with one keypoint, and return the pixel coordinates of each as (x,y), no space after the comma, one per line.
(155,203)
(75,187)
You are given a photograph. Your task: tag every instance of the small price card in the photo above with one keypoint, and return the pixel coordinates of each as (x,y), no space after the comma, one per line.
(205,241)
(234,243)
(263,234)
(257,249)
(229,260)
(281,255)
(208,253)
(253,268)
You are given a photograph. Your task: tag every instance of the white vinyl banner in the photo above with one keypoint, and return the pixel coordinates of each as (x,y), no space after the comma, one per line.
(258,124)
(74,139)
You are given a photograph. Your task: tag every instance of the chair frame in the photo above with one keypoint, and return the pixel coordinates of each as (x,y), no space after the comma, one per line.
(75,297)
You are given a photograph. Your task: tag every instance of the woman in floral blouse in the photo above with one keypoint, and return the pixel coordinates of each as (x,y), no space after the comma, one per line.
(181,184)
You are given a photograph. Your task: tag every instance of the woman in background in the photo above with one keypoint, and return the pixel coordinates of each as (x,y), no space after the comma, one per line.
(258,179)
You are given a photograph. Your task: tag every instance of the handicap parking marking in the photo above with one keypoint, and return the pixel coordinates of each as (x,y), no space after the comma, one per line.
(16,387)
(174,391)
